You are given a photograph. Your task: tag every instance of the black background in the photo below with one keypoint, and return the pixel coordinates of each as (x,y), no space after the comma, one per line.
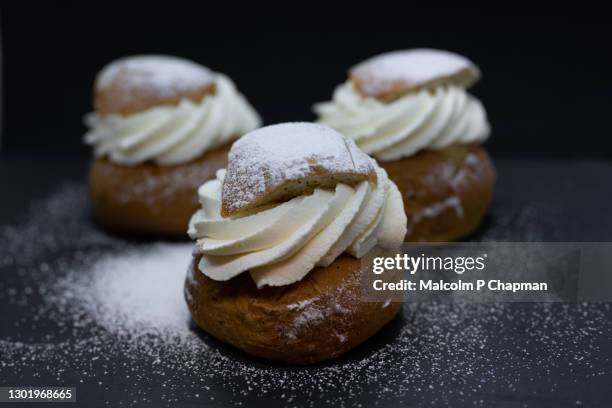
(546,83)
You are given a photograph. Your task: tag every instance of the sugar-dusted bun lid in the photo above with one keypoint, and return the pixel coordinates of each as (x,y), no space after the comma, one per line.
(276,163)
(136,83)
(391,75)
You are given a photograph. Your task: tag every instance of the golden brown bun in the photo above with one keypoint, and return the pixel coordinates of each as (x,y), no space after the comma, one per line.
(315,319)
(391,75)
(149,199)
(276,163)
(446,192)
(133,84)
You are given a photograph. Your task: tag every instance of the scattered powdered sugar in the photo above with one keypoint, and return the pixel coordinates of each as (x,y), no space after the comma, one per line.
(165,74)
(413,67)
(269,156)
(139,290)
(106,315)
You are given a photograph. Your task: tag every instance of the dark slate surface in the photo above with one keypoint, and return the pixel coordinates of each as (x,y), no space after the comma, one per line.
(509,355)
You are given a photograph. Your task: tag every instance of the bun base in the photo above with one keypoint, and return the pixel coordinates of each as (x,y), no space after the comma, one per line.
(446,192)
(315,319)
(150,200)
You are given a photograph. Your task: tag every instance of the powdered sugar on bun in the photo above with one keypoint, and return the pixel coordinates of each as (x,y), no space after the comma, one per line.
(393,74)
(279,162)
(135,83)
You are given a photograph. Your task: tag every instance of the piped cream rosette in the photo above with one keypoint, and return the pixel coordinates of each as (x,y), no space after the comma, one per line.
(279,243)
(166,133)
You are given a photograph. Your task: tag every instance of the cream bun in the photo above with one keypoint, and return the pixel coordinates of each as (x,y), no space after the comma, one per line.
(275,268)
(162,126)
(410,110)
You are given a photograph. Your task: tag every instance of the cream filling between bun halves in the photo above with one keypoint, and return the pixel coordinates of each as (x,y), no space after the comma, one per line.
(427,119)
(279,245)
(177,134)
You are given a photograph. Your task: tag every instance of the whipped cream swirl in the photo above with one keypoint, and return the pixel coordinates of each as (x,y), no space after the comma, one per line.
(176,134)
(280,244)
(428,119)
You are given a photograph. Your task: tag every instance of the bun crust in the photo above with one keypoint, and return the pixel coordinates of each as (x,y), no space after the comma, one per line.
(315,319)
(149,199)
(446,192)
(278,162)
(389,76)
(133,84)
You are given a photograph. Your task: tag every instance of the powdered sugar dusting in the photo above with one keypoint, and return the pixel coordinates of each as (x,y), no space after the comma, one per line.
(138,288)
(315,310)
(412,67)
(438,208)
(166,74)
(271,155)
(301,304)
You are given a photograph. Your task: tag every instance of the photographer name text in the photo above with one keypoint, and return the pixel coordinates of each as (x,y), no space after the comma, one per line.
(457,264)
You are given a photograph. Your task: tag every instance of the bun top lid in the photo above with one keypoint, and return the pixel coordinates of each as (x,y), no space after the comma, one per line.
(279,162)
(391,75)
(135,83)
